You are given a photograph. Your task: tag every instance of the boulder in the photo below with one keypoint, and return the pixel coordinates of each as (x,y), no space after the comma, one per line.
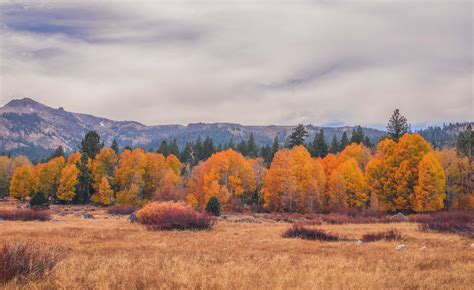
(399,217)
(401,247)
(132,218)
(88,216)
(359,242)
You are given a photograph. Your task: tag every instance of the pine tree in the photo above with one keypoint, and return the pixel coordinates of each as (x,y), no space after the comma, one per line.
(357,135)
(298,136)
(275,147)
(397,126)
(187,154)
(242,148)
(164,149)
(198,150)
(367,142)
(320,147)
(59,152)
(344,141)
(231,144)
(173,148)
(208,148)
(213,206)
(252,149)
(266,154)
(115,147)
(334,147)
(90,145)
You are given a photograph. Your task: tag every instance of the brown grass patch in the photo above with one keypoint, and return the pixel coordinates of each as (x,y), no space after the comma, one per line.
(24,215)
(306,233)
(390,235)
(26,261)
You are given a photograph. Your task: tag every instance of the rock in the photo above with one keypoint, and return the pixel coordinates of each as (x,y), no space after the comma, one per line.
(401,247)
(359,242)
(132,218)
(472,245)
(88,216)
(399,217)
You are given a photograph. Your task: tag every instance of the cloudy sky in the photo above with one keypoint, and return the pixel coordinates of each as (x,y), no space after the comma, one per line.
(277,62)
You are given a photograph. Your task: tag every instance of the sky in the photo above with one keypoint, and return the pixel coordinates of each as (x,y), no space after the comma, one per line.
(326,63)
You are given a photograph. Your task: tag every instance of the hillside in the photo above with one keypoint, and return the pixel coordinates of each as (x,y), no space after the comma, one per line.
(34,129)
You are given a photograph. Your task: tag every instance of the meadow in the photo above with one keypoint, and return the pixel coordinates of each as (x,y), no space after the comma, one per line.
(240,252)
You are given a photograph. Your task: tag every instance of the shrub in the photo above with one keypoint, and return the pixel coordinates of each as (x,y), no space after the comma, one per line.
(302,232)
(390,235)
(26,261)
(173,216)
(213,206)
(460,222)
(120,209)
(356,217)
(24,215)
(39,200)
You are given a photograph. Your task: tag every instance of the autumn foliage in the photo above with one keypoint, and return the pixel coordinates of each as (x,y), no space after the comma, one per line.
(173,216)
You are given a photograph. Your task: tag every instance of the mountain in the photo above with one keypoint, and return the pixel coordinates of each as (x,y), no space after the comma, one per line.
(34,129)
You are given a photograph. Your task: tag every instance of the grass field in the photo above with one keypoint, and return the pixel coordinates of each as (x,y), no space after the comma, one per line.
(109,253)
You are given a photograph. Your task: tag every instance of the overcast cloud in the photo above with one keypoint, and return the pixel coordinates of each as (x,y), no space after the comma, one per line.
(285,62)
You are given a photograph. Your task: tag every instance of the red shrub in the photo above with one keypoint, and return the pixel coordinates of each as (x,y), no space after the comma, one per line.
(461,222)
(120,209)
(390,235)
(26,261)
(173,216)
(302,232)
(24,215)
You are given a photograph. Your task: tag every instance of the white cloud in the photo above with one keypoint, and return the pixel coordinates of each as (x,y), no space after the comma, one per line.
(271,63)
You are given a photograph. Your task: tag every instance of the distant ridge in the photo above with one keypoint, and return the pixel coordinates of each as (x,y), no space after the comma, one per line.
(34,129)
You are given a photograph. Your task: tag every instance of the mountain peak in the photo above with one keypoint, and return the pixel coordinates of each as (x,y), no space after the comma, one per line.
(25,102)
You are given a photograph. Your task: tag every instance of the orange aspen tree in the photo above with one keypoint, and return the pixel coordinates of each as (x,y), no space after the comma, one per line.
(104,194)
(430,191)
(68,182)
(22,182)
(103,165)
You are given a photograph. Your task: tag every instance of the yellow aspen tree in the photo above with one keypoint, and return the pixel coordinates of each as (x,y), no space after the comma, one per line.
(103,165)
(22,183)
(5,164)
(47,176)
(430,191)
(174,164)
(104,195)
(68,182)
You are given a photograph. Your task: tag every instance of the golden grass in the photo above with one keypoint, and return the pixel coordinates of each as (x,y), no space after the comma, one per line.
(109,253)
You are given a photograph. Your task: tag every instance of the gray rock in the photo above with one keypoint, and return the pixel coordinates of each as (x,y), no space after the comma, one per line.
(359,242)
(401,247)
(399,217)
(88,216)
(132,218)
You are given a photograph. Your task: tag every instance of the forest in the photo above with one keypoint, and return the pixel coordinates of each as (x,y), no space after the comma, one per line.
(403,172)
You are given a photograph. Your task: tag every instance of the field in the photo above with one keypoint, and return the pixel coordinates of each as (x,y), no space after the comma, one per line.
(109,253)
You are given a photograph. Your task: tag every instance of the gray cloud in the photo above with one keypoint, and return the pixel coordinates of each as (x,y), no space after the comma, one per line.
(270,63)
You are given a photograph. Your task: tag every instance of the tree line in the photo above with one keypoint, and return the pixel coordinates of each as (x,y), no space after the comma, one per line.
(403,173)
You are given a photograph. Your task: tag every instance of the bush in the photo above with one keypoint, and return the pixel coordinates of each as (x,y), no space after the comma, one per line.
(302,232)
(173,216)
(26,261)
(390,235)
(213,206)
(39,200)
(460,222)
(24,215)
(120,209)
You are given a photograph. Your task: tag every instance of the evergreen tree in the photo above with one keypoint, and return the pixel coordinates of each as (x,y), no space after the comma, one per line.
(231,144)
(367,142)
(208,148)
(128,148)
(173,148)
(90,146)
(115,147)
(164,148)
(252,149)
(334,147)
(358,135)
(320,147)
(465,142)
(397,126)
(298,136)
(198,150)
(242,148)
(275,148)
(187,154)
(213,206)
(59,152)
(266,153)
(344,141)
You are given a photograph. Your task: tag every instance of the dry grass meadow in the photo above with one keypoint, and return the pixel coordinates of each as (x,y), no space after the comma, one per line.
(109,253)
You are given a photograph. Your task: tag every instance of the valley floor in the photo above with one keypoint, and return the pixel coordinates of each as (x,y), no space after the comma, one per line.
(109,253)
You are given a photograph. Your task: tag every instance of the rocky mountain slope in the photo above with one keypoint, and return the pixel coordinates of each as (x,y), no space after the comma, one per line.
(31,128)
